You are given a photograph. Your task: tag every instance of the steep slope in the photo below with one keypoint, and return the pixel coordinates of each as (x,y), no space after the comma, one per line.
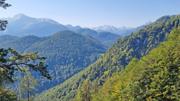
(107,38)
(68,43)
(67,53)
(136,45)
(153,78)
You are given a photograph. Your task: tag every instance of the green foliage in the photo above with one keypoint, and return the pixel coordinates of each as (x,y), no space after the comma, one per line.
(7,95)
(13,63)
(115,59)
(156,77)
(27,86)
(67,53)
(84,93)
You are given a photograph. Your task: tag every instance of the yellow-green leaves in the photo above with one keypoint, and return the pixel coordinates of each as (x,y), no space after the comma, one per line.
(156,77)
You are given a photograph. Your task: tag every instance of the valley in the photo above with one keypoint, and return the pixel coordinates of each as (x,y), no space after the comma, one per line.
(79,50)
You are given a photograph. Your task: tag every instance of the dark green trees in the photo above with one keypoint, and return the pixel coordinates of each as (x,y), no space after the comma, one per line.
(161,79)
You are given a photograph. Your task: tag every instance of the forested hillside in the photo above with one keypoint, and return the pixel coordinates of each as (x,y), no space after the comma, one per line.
(20,44)
(155,77)
(115,59)
(93,50)
(67,53)
(107,38)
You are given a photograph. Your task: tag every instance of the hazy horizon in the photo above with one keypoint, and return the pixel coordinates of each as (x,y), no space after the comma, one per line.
(119,13)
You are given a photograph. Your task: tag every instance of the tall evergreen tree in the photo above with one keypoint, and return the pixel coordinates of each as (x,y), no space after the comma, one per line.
(27,86)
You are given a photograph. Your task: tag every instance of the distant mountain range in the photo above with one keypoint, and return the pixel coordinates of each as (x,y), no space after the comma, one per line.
(96,64)
(22,25)
(68,49)
(123,31)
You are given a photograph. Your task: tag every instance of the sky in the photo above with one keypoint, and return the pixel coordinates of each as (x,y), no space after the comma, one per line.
(92,13)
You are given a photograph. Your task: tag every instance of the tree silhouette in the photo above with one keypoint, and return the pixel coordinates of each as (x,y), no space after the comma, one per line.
(12,63)
(3,23)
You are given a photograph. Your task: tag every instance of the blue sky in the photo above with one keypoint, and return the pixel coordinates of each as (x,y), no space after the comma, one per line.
(90,13)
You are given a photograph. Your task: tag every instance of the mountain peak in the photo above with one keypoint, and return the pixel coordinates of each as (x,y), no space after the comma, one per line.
(19,16)
(23,25)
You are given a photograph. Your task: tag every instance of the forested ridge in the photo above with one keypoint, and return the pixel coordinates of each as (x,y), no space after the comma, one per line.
(155,77)
(136,45)
(49,61)
(67,53)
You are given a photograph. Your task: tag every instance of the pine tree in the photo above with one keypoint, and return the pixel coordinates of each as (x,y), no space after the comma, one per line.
(27,86)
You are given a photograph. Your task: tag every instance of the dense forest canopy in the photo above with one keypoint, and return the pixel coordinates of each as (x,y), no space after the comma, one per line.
(155,77)
(136,45)
(142,66)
